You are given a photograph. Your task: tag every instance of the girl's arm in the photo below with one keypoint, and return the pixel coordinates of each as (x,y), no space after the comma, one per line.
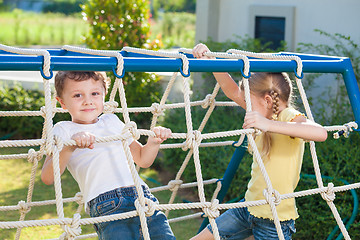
(299,127)
(82,139)
(144,156)
(230,88)
(227,84)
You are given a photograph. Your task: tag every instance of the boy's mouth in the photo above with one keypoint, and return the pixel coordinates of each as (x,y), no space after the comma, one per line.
(88,110)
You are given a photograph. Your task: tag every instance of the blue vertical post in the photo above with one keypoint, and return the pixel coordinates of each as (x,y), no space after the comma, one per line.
(352,89)
(229,175)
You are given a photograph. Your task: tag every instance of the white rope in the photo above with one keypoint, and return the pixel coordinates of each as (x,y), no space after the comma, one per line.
(50,145)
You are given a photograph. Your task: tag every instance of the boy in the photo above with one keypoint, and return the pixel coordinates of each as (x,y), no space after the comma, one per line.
(101,169)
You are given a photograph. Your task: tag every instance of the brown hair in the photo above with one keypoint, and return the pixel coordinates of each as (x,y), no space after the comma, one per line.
(61,77)
(279,87)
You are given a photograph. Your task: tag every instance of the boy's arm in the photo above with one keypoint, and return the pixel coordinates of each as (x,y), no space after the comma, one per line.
(144,155)
(47,173)
(82,139)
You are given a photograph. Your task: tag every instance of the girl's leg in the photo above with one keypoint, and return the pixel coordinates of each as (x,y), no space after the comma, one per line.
(264,229)
(233,224)
(205,234)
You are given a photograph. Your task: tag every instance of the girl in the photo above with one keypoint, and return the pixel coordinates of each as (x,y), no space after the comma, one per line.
(281,145)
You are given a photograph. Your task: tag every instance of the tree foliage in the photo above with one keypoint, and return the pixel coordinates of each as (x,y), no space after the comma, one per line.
(115,24)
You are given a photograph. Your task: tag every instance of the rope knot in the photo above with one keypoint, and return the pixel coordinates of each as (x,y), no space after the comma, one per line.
(79,198)
(43,112)
(110,106)
(24,208)
(191,139)
(209,99)
(132,128)
(174,184)
(213,210)
(273,196)
(148,209)
(59,143)
(33,156)
(329,195)
(74,229)
(157,109)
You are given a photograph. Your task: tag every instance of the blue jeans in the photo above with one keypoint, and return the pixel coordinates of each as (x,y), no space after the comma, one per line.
(238,223)
(122,200)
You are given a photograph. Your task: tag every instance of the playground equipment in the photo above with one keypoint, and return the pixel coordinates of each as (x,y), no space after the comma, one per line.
(140,60)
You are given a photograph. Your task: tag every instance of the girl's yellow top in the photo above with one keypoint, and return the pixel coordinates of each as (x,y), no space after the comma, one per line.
(283,165)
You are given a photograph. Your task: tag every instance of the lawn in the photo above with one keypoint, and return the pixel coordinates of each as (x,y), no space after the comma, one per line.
(14,187)
(20,28)
(27,28)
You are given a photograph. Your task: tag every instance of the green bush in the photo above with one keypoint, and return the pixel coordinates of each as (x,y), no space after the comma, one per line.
(115,24)
(173,6)
(338,102)
(16,98)
(65,7)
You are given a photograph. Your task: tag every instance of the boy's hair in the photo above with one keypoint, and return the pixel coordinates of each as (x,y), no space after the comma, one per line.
(279,87)
(61,77)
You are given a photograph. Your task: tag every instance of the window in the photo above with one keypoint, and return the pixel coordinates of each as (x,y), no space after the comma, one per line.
(270,29)
(274,23)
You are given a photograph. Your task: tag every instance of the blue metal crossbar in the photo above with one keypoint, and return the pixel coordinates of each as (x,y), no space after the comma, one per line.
(134,62)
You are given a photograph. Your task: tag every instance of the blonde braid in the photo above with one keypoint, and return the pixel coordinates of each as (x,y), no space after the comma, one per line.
(276,101)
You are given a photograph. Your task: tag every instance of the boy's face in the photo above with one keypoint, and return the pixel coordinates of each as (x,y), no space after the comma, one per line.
(84,100)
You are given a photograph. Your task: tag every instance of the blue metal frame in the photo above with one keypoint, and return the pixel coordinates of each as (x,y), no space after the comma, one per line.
(134,62)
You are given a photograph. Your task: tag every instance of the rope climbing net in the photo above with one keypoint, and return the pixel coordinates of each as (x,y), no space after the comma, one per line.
(189,141)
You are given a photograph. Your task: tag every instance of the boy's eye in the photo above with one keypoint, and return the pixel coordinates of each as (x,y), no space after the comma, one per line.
(95,93)
(77,95)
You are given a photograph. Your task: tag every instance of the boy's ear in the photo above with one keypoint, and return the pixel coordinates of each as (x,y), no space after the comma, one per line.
(61,102)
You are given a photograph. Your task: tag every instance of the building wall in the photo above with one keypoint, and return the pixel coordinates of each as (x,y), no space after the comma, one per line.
(236,17)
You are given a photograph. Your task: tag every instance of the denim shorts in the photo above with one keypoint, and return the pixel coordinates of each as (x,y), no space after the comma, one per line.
(238,223)
(122,200)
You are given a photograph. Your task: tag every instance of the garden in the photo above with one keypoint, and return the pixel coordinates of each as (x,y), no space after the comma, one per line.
(166,26)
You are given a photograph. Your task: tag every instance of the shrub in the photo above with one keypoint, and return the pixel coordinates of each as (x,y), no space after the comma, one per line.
(115,24)
(337,100)
(65,7)
(16,98)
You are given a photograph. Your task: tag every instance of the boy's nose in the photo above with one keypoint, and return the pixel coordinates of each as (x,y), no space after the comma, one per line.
(87,100)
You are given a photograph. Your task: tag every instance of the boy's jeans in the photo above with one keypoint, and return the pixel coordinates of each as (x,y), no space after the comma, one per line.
(122,200)
(238,223)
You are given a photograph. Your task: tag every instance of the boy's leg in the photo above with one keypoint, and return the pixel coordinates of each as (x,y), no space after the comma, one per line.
(158,225)
(159,228)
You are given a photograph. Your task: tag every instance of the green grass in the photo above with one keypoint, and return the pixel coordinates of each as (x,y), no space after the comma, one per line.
(14,187)
(28,28)
(174,29)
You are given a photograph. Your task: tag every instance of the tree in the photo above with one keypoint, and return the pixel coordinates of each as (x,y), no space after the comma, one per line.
(115,24)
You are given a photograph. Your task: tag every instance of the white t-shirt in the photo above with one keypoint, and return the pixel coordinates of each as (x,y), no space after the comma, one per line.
(102,168)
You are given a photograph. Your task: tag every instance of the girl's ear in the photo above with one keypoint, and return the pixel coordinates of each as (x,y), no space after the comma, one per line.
(61,102)
(268,101)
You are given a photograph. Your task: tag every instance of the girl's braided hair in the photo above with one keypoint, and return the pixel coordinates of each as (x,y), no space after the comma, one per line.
(279,87)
